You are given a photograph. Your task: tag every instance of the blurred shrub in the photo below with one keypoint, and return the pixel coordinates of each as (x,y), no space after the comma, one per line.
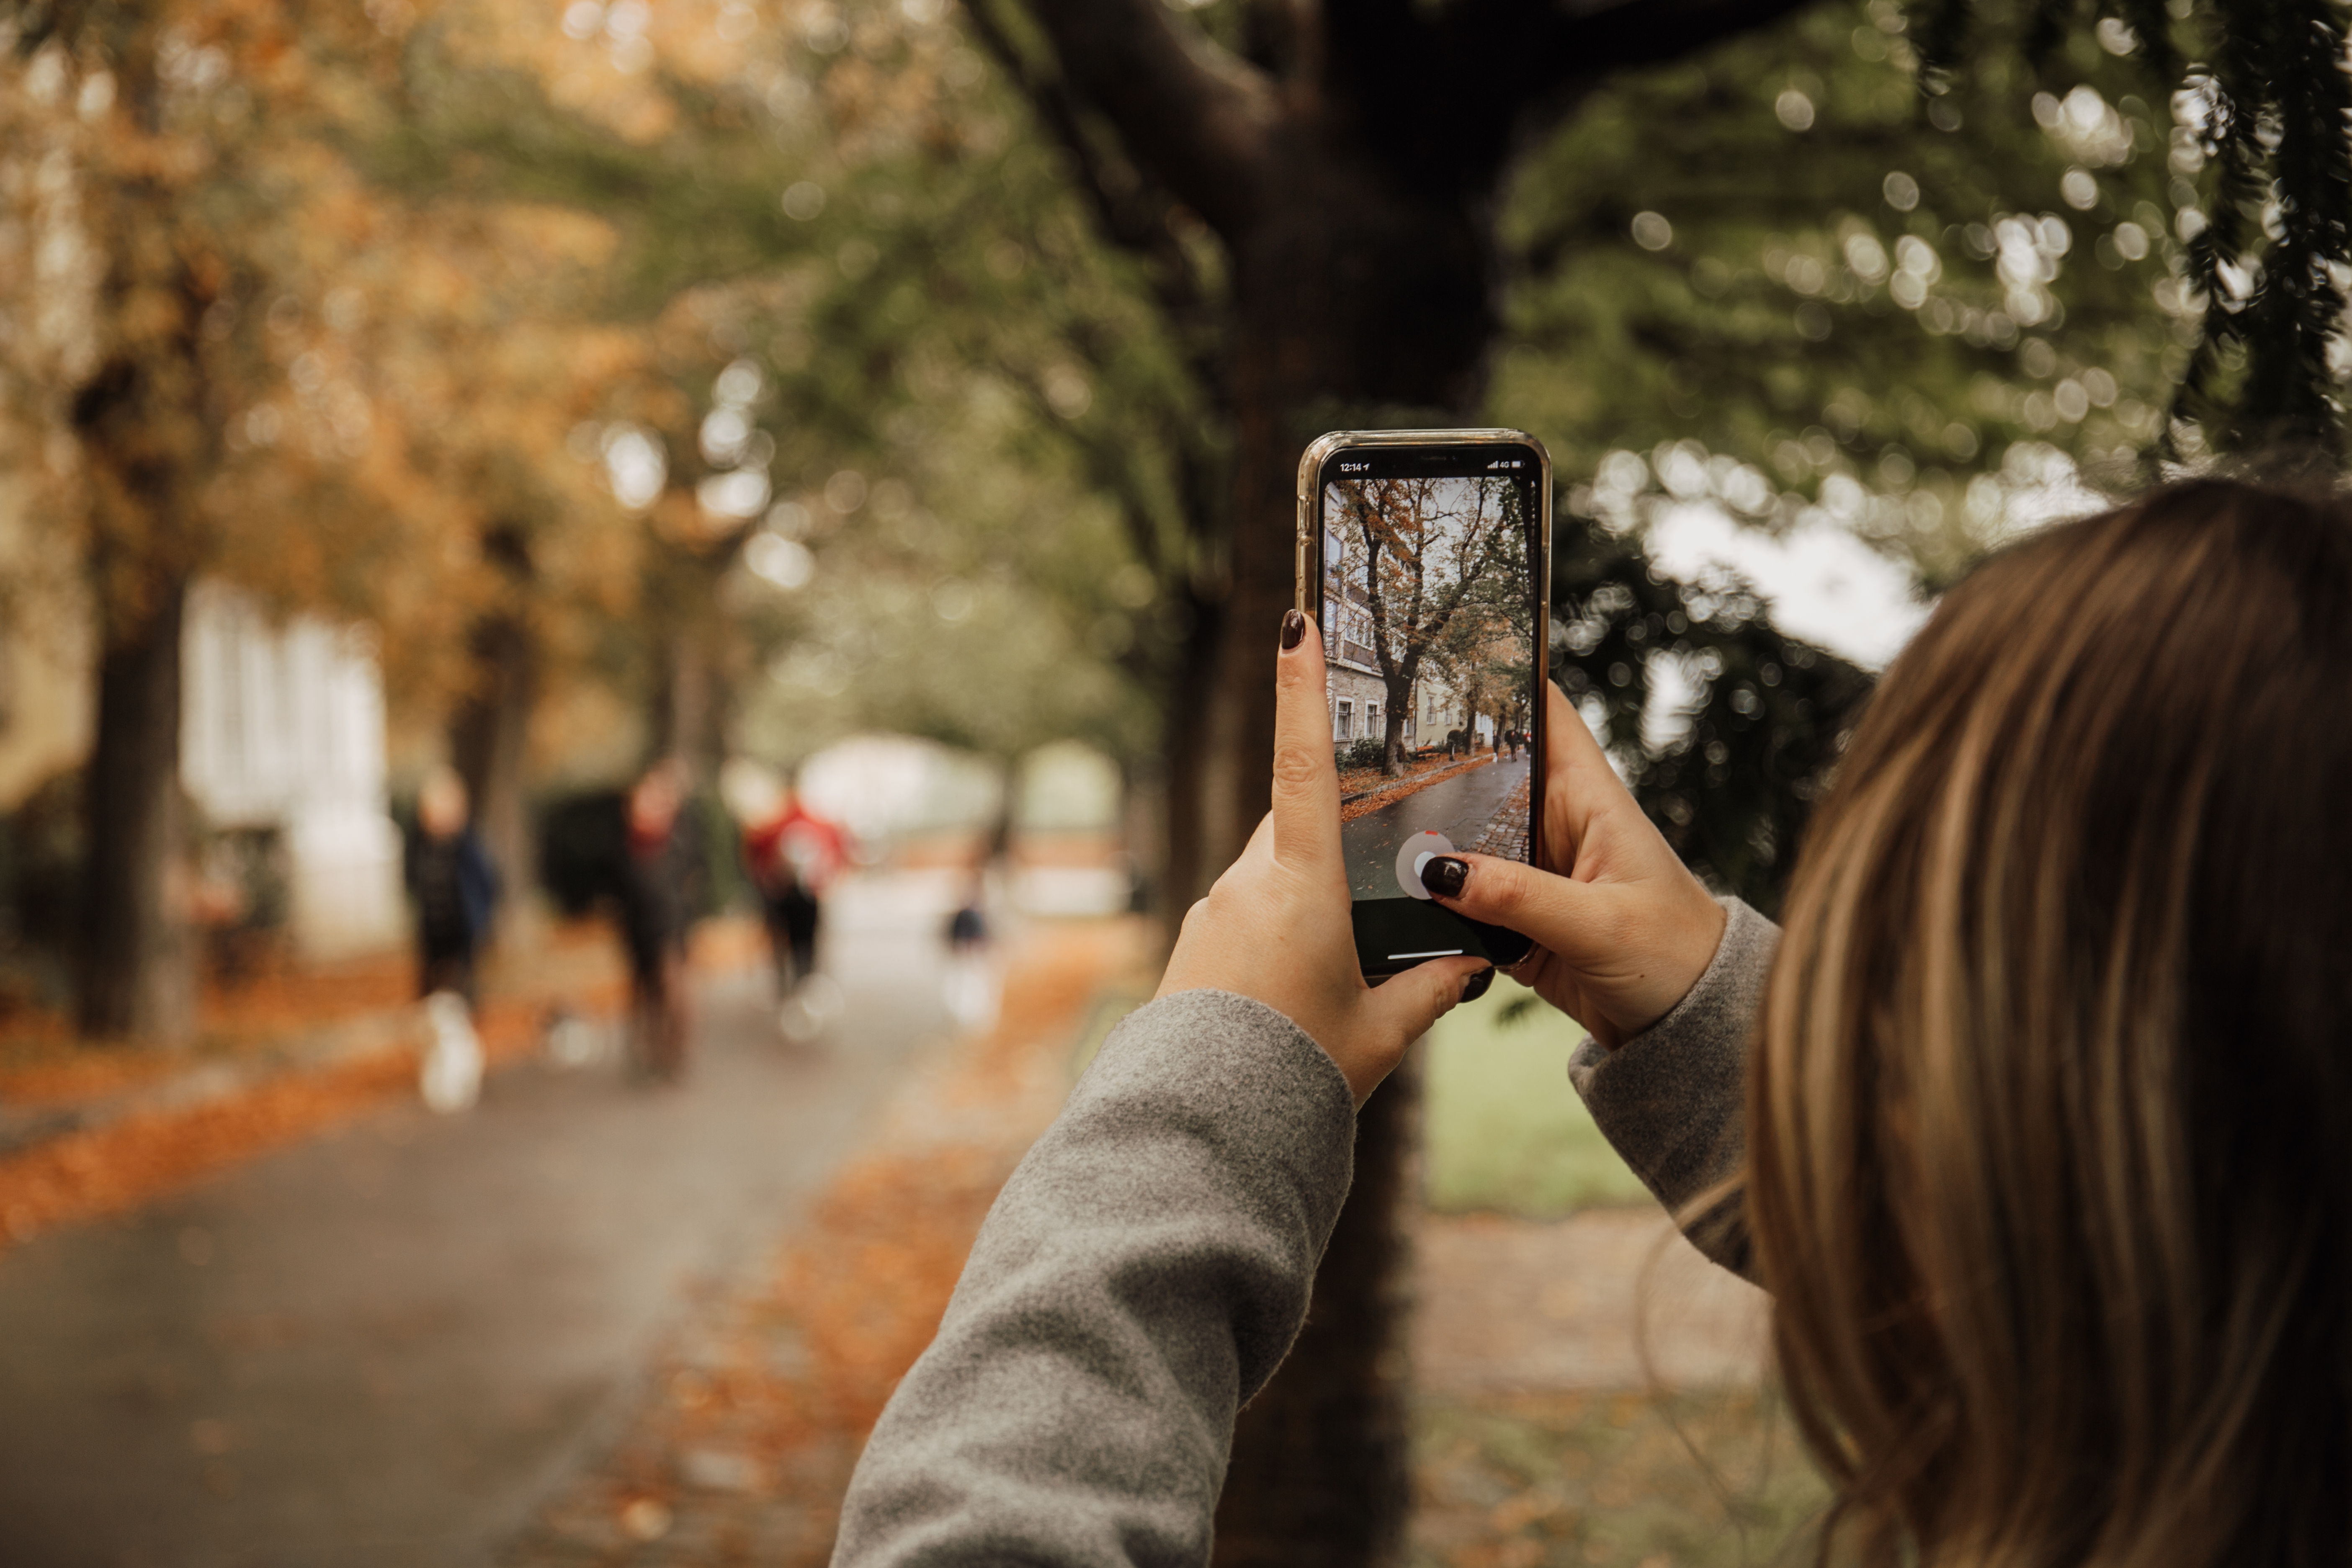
(584,845)
(1733,779)
(41,852)
(583,837)
(245,899)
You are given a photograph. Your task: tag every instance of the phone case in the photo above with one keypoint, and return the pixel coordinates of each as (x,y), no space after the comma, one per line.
(1308,571)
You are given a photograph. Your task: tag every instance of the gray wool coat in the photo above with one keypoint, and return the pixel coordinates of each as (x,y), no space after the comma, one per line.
(1147,1266)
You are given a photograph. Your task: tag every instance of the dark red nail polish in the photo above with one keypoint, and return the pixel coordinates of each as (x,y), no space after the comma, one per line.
(1446,875)
(1477,985)
(1293,628)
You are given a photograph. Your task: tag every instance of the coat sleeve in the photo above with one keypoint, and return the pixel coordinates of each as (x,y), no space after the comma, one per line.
(1672,1098)
(1141,1276)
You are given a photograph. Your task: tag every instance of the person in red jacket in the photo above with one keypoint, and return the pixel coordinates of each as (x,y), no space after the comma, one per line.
(793,857)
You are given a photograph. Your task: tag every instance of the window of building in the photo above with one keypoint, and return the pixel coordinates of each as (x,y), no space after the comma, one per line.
(1346,721)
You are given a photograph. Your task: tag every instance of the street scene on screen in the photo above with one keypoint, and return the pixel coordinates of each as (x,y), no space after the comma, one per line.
(1428,632)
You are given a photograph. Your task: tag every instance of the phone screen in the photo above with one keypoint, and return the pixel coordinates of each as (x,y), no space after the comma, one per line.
(1430,561)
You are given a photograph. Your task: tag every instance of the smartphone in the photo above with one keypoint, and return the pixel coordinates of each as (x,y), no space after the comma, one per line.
(1425,557)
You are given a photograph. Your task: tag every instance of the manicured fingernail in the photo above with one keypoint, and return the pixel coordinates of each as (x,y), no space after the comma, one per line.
(1446,875)
(1293,628)
(1477,984)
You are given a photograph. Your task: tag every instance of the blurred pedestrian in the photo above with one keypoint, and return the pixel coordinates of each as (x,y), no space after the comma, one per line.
(794,857)
(455,889)
(662,876)
(970,987)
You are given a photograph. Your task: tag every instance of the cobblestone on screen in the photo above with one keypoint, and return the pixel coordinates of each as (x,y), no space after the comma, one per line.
(1506,835)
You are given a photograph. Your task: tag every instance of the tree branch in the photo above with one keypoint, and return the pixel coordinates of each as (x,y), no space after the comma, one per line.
(1577,38)
(1193,115)
(1131,212)
(1542,53)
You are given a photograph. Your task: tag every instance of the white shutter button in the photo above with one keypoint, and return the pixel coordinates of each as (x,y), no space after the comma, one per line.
(1416,852)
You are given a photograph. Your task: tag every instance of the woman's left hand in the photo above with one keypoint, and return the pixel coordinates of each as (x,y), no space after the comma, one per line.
(1276,926)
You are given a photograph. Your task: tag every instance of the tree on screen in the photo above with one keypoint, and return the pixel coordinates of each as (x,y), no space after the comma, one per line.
(1488,655)
(1434,553)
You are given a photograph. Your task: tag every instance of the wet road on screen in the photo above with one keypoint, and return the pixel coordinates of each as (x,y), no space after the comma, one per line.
(1459,808)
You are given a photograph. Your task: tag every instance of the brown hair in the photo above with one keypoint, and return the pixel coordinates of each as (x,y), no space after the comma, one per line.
(2049,1123)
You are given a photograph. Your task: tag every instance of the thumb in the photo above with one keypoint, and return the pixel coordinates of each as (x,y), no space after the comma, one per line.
(1408,1004)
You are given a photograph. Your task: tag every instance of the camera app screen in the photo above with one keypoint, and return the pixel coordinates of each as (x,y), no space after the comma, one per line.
(1429,617)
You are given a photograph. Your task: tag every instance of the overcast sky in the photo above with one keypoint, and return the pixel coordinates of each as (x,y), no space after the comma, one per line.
(1824,585)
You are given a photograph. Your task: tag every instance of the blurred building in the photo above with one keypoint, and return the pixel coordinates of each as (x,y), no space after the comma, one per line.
(281,741)
(1068,857)
(1442,711)
(905,799)
(1353,681)
(282,731)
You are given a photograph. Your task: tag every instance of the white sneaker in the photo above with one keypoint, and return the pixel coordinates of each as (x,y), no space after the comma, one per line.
(572,1042)
(970,992)
(450,1078)
(811,1009)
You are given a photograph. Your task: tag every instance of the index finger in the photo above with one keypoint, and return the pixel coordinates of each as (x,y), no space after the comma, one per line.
(1305,775)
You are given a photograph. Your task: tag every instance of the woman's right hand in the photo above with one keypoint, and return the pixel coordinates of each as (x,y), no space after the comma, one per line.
(1622,928)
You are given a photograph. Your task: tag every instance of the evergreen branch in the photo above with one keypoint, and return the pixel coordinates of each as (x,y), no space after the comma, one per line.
(1493,72)
(2151,23)
(2300,306)
(2277,214)
(1938,29)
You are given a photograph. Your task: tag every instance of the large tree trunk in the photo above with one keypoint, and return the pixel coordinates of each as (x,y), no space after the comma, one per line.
(1320,1473)
(693,656)
(687,703)
(1400,711)
(138,971)
(1360,300)
(1348,166)
(1362,293)
(1188,702)
(147,439)
(490,735)
(489,739)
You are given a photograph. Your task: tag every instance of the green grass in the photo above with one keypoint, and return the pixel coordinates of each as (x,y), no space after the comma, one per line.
(1504,1129)
(1700,1479)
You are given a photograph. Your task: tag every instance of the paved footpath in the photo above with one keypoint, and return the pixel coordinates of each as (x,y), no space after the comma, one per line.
(1607,1298)
(382,1347)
